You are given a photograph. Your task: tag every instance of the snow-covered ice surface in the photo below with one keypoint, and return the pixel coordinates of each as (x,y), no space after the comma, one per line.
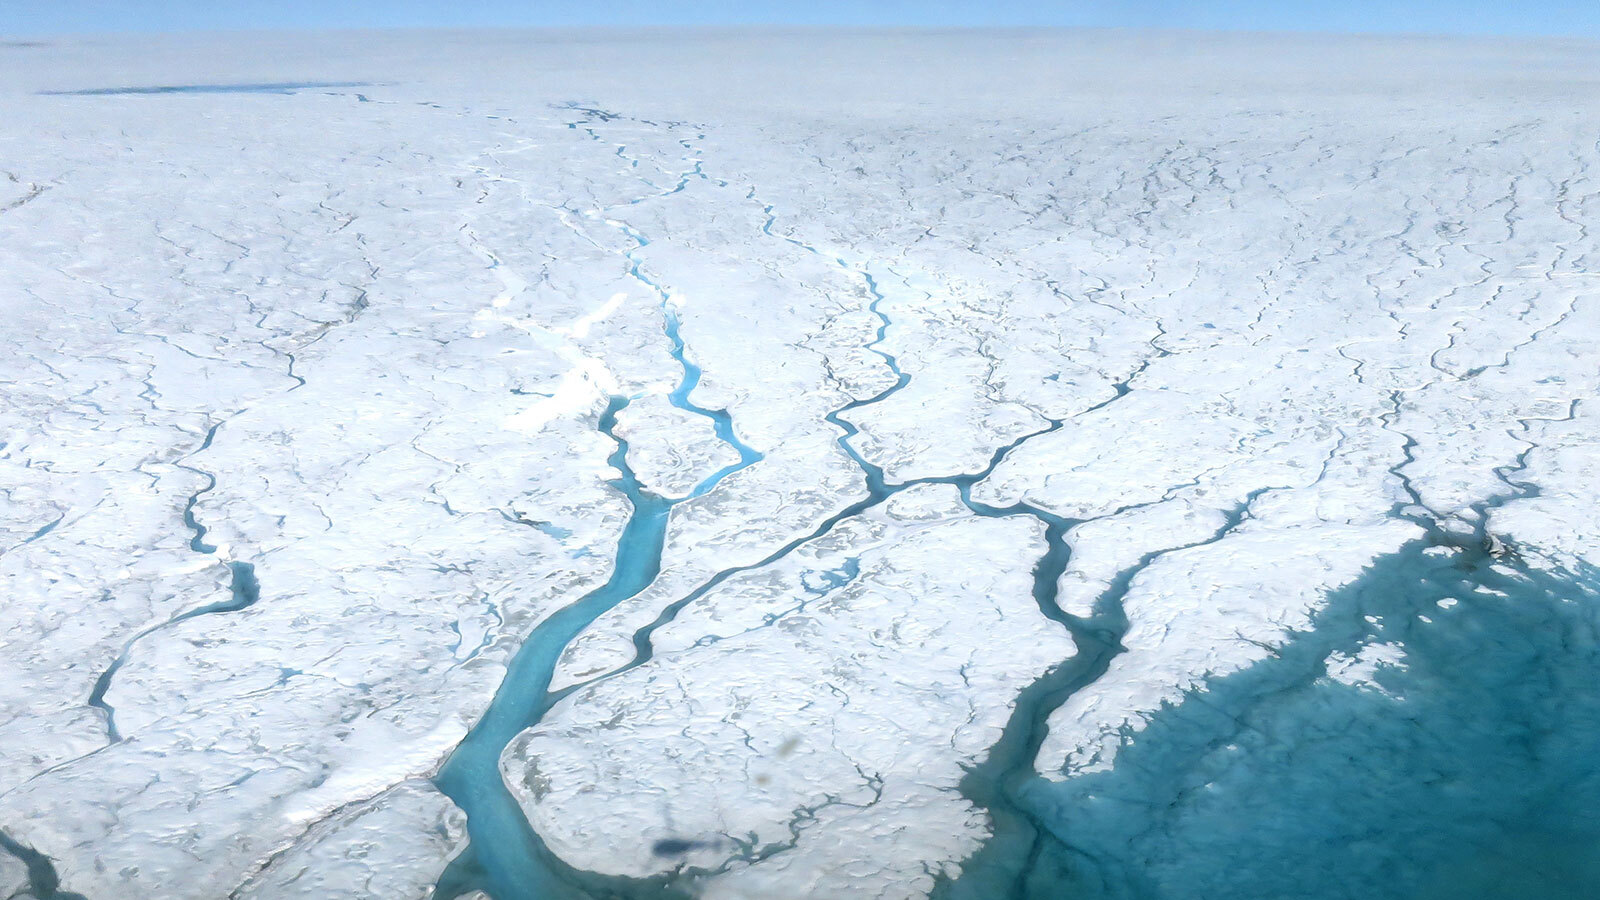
(799,464)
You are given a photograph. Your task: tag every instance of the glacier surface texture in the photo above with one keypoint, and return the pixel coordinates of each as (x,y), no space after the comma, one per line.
(775,465)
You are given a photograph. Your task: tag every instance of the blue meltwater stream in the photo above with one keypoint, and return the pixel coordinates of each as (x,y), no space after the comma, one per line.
(506,857)
(509,861)
(1468,769)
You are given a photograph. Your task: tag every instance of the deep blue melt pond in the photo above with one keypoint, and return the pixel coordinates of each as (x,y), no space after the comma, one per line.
(1469,771)
(285,87)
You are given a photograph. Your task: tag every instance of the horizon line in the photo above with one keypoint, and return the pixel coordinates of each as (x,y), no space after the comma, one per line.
(37,38)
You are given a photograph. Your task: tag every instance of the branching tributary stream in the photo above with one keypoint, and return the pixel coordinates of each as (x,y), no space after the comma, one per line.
(1046,840)
(1462,769)
(243,592)
(506,857)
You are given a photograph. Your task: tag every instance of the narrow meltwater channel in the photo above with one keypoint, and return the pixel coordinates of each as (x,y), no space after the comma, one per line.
(721,419)
(243,592)
(506,857)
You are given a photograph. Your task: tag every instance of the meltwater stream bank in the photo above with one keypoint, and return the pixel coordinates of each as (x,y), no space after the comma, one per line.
(787,465)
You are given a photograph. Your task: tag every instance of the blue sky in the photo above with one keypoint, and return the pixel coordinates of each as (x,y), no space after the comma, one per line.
(1512,17)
